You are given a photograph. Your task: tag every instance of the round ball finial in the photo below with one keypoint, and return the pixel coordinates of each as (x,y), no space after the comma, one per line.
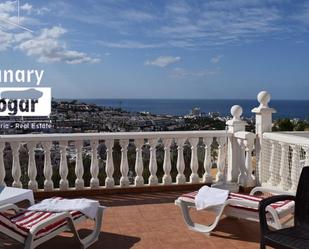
(236,112)
(263,98)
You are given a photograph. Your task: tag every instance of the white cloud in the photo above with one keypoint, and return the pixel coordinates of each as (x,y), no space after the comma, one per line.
(45,44)
(216,59)
(163,61)
(181,73)
(130,44)
(48,48)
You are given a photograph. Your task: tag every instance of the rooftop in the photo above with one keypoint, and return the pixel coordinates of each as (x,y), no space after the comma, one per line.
(151,220)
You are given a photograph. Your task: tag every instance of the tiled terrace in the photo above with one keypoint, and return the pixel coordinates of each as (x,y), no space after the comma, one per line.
(151,220)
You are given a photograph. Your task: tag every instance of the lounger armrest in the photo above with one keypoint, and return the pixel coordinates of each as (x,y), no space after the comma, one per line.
(263,206)
(49,221)
(7,207)
(269,190)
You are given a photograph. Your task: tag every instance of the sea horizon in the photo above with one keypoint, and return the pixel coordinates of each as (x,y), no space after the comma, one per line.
(180,107)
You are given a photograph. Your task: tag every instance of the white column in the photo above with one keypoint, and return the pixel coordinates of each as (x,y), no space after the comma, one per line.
(167,179)
(63,169)
(284,167)
(32,171)
(79,167)
(2,168)
(207,177)
(263,123)
(234,151)
(180,178)
(48,170)
(306,156)
(153,179)
(139,166)
(16,171)
(94,167)
(124,167)
(250,181)
(295,169)
(242,178)
(220,177)
(109,168)
(194,178)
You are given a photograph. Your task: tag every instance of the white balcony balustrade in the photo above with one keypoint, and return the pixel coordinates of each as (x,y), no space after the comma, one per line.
(231,157)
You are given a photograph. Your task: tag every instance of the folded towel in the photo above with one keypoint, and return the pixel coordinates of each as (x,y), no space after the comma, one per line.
(208,197)
(85,206)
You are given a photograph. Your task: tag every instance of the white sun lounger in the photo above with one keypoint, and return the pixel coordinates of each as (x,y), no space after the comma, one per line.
(243,206)
(33,228)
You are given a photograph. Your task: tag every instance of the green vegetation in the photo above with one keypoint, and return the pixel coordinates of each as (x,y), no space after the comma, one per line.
(290,125)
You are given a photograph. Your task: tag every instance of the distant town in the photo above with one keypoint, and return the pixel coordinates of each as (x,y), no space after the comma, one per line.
(78,117)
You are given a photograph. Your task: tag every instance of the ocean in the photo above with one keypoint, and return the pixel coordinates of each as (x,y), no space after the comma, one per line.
(285,108)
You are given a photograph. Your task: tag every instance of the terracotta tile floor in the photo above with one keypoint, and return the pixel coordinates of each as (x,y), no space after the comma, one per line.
(152,221)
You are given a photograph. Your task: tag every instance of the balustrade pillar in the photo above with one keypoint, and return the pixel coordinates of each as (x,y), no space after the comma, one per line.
(48,171)
(242,178)
(207,177)
(194,178)
(124,167)
(63,168)
(139,166)
(32,171)
(16,171)
(2,168)
(167,179)
(180,178)
(109,168)
(220,177)
(250,181)
(153,167)
(79,167)
(94,167)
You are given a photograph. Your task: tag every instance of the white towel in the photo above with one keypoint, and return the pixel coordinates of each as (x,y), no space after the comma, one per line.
(208,197)
(85,206)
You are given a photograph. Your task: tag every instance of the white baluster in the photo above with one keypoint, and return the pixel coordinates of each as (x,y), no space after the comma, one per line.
(167,179)
(194,178)
(180,178)
(220,177)
(207,177)
(94,167)
(63,169)
(248,148)
(153,179)
(242,178)
(273,168)
(139,167)
(2,168)
(109,168)
(16,171)
(48,170)
(295,170)
(79,167)
(124,167)
(284,167)
(32,171)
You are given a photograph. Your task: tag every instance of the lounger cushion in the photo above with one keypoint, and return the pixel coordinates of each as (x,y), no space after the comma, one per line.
(281,207)
(24,221)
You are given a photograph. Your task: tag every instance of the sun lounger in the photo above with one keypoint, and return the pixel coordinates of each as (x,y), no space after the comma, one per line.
(243,206)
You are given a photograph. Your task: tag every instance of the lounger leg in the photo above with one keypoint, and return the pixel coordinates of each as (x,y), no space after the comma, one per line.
(93,237)
(195,226)
(29,242)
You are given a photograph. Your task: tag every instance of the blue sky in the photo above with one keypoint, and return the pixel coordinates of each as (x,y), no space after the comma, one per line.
(161,49)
